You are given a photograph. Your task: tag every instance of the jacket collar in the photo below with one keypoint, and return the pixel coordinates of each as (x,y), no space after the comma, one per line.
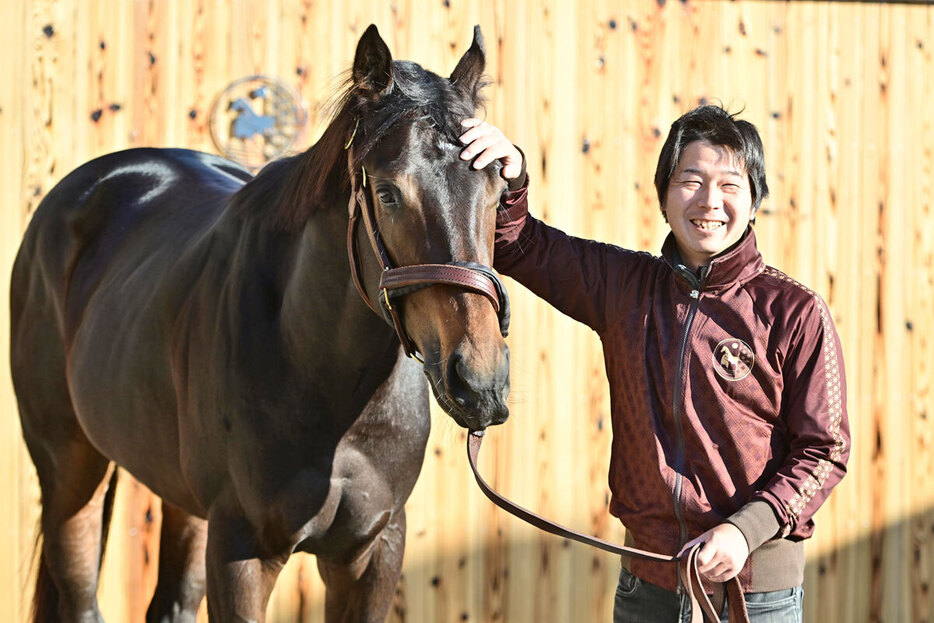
(739,263)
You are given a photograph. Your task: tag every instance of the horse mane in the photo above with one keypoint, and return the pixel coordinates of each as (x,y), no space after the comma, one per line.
(287,191)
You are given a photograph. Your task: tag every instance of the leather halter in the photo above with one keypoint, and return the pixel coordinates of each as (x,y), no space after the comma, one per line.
(702,608)
(396,282)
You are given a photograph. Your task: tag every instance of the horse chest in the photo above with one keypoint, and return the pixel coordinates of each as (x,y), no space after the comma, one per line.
(328,484)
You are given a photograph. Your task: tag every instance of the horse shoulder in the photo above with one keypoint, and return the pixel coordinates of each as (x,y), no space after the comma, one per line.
(326,476)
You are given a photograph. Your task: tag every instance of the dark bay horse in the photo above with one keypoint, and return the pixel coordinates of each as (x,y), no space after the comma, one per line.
(202,329)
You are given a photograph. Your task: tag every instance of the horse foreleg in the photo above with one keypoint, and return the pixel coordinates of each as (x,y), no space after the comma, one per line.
(361,591)
(182,583)
(241,572)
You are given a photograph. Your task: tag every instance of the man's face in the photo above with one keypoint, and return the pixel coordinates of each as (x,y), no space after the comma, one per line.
(708,202)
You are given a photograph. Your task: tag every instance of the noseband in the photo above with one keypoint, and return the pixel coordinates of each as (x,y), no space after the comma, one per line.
(396,282)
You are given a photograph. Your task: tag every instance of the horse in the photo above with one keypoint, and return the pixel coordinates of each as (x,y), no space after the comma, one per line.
(214,334)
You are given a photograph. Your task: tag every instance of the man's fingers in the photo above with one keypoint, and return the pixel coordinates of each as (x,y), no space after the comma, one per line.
(496,151)
(723,552)
(687,547)
(512,170)
(472,135)
(487,149)
(720,574)
(715,567)
(712,569)
(477,130)
(705,557)
(484,143)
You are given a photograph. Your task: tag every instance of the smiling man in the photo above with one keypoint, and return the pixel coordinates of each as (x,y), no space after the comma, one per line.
(726,376)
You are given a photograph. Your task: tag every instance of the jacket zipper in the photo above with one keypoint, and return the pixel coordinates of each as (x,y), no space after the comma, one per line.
(696,285)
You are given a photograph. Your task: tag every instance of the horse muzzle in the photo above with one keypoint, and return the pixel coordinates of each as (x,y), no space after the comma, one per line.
(472,383)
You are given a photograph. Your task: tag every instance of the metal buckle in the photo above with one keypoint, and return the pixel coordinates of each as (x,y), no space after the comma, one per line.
(350,142)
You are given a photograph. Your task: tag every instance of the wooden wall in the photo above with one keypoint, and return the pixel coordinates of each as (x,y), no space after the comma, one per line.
(842,93)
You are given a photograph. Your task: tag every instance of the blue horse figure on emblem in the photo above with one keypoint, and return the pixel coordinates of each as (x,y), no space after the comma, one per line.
(248,124)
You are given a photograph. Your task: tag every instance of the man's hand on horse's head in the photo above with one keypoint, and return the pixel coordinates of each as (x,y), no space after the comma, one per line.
(485,143)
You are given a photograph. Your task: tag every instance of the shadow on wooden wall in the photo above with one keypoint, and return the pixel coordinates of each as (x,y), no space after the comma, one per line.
(511,592)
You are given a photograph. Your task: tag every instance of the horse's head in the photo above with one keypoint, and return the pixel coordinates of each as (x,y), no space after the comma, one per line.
(426,206)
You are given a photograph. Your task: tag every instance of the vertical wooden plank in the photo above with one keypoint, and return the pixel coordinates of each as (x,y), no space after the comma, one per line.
(835,560)
(197,99)
(773,125)
(870,351)
(653,96)
(39,125)
(920,118)
(119,97)
(18,520)
(901,187)
(76,91)
(872,197)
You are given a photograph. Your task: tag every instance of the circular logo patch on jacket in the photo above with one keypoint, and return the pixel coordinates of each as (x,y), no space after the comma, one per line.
(733,359)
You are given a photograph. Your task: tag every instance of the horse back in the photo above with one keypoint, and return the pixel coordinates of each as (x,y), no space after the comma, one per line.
(135,205)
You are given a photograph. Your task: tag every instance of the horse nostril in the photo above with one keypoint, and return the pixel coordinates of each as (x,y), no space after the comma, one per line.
(460,387)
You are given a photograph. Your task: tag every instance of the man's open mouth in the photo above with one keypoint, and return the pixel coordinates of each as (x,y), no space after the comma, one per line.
(708,225)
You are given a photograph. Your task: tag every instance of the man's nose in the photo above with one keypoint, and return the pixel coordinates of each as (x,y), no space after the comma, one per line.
(711,197)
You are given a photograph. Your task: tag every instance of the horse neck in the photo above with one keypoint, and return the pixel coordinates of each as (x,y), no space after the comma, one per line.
(325,328)
(324,322)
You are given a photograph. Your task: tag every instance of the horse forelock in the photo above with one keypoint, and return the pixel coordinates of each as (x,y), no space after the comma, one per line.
(286,192)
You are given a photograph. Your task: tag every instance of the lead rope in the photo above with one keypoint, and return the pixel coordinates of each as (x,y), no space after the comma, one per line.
(701,605)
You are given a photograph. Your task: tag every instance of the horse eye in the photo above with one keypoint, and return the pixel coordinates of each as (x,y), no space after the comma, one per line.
(386,196)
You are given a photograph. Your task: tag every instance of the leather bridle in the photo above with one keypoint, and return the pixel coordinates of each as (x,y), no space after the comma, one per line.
(702,607)
(396,282)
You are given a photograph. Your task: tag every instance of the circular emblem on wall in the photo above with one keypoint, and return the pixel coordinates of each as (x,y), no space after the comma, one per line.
(733,359)
(255,120)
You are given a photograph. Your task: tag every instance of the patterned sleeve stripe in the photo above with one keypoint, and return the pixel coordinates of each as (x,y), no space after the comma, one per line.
(815,481)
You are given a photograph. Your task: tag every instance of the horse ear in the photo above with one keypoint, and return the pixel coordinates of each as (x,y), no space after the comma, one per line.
(466,76)
(372,63)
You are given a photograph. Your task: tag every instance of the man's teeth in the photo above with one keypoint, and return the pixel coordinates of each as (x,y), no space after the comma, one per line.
(708,225)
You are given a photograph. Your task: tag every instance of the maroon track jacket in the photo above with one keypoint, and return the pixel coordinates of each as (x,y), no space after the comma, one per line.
(727,390)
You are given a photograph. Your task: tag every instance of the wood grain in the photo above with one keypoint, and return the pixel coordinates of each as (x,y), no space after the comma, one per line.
(841,93)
